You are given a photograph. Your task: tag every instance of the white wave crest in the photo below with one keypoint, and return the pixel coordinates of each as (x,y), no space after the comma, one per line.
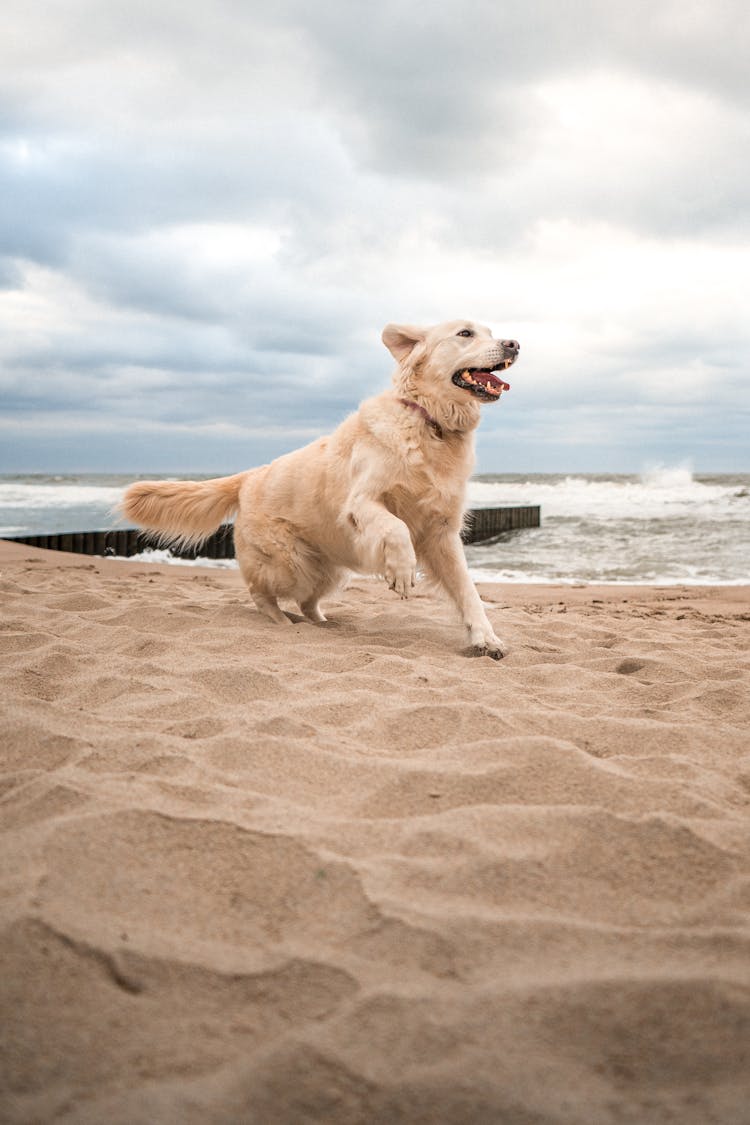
(657,494)
(31,497)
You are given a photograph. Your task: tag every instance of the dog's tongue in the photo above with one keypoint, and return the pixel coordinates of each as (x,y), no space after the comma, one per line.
(491,382)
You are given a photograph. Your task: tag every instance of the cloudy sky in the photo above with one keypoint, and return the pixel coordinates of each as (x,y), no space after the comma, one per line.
(208,211)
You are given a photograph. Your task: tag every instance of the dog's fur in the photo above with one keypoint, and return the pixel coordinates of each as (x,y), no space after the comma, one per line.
(381,495)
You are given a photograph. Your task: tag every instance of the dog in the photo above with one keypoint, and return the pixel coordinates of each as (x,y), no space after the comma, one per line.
(383,494)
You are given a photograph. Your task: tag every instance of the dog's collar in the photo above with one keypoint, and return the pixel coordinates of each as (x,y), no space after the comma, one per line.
(434,425)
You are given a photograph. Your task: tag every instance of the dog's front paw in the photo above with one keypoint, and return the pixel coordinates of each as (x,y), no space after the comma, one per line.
(493,651)
(487,644)
(401,579)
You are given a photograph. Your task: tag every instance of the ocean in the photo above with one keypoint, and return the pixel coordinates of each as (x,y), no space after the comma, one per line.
(666,526)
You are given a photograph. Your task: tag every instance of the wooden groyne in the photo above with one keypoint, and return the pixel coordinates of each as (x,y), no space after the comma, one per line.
(487,523)
(482,524)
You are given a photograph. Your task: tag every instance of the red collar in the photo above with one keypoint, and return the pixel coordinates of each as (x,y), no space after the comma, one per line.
(433,423)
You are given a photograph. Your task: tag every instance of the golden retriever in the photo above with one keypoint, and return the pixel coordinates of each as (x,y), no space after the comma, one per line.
(383,494)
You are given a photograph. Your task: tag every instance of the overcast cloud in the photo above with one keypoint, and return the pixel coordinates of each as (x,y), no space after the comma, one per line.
(209,211)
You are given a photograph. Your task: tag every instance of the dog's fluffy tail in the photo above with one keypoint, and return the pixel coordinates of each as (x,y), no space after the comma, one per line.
(184,512)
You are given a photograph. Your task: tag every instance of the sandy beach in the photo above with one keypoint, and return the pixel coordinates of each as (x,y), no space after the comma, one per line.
(344,874)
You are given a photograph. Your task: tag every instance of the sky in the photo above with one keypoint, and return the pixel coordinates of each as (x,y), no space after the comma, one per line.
(209,211)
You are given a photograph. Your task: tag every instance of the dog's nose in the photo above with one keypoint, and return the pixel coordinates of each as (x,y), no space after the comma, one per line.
(511,346)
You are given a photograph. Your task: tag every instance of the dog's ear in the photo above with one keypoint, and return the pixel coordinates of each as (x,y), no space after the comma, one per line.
(400,339)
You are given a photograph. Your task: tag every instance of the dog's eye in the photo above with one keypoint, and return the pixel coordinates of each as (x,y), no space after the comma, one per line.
(465,332)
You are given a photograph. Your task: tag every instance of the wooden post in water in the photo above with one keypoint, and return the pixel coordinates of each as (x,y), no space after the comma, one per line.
(482,524)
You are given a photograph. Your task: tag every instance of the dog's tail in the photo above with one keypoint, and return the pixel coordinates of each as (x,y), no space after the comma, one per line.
(184,512)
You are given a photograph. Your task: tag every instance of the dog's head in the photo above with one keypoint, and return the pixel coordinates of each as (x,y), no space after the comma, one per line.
(457,361)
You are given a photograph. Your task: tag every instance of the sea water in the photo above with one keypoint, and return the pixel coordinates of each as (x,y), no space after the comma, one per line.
(665,526)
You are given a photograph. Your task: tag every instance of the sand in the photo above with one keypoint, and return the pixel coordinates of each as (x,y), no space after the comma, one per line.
(345,874)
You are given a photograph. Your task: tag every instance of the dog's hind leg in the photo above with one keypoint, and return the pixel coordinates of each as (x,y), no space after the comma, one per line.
(265,577)
(269,607)
(323,583)
(312,611)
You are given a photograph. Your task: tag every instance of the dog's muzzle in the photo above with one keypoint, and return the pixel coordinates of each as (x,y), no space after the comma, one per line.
(482,381)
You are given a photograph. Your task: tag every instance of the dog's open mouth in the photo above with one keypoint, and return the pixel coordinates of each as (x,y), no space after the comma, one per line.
(482,382)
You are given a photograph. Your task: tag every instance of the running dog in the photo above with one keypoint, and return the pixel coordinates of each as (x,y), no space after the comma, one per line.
(383,494)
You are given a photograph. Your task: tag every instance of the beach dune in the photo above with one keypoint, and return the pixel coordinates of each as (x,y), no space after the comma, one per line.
(345,874)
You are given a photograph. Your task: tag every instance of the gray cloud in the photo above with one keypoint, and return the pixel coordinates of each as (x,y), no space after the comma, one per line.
(210,212)
(422,92)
